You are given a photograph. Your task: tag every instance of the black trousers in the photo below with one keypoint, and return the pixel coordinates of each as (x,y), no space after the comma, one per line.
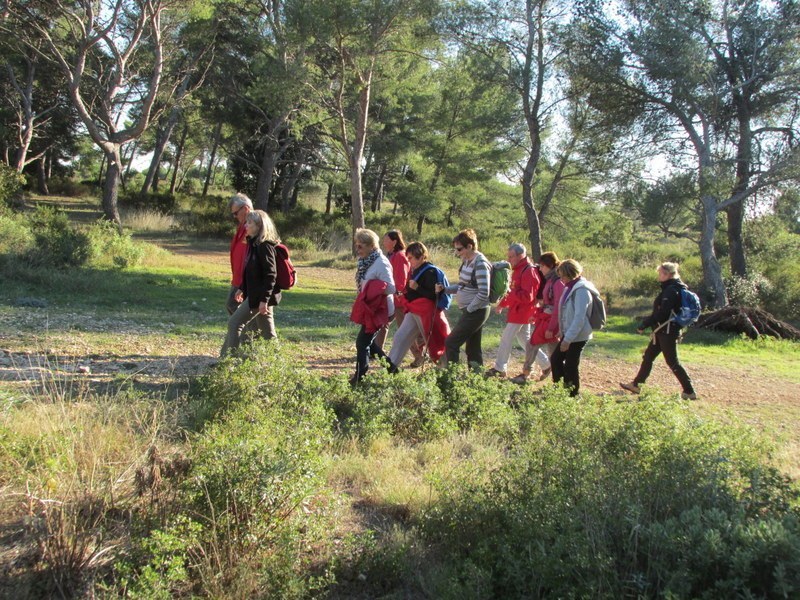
(566,366)
(366,346)
(668,345)
(468,331)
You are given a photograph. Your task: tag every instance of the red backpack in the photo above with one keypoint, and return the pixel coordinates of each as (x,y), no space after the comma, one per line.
(287,275)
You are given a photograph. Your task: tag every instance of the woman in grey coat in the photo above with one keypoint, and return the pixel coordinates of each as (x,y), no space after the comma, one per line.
(573,324)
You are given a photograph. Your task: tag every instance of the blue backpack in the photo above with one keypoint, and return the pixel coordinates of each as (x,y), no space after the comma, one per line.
(689,310)
(444,299)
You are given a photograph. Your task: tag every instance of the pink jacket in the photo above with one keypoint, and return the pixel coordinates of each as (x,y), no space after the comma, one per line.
(521,297)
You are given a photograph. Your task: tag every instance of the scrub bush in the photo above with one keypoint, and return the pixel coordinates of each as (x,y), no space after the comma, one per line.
(56,242)
(606,499)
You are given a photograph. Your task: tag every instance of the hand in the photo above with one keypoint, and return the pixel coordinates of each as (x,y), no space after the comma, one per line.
(499,310)
(564,346)
(639,330)
(262,308)
(548,335)
(439,288)
(413,284)
(238,295)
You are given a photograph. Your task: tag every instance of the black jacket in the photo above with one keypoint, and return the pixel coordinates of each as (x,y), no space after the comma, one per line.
(667,302)
(260,275)
(427,284)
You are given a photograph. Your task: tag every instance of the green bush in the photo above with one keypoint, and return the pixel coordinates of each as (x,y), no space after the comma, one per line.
(210,217)
(66,186)
(10,185)
(110,247)
(608,499)
(16,237)
(162,202)
(56,242)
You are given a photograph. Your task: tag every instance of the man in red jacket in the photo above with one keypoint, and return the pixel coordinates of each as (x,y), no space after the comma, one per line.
(520,302)
(240,206)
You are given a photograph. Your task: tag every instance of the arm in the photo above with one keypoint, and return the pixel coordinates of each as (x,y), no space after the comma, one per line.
(552,328)
(266,257)
(670,300)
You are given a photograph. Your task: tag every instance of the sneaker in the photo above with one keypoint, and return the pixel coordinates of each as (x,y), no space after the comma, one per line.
(544,374)
(688,396)
(418,362)
(494,373)
(631,387)
(520,379)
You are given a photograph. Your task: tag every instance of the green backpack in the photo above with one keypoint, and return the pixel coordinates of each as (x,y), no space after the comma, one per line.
(499,282)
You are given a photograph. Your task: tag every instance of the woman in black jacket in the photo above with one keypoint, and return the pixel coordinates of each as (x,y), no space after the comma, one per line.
(258,282)
(664,338)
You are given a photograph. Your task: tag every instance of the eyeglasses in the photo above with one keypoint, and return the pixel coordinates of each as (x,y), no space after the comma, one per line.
(458,248)
(235,213)
(359,245)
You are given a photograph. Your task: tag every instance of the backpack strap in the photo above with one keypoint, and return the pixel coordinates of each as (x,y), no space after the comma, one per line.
(421,271)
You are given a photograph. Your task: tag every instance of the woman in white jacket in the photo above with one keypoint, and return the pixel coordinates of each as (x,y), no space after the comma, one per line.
(573,324)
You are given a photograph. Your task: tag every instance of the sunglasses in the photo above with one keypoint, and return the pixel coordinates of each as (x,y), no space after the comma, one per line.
(235,213)
(458,248)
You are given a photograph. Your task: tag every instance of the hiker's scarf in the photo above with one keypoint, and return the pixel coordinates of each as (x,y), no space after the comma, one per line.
(364,264)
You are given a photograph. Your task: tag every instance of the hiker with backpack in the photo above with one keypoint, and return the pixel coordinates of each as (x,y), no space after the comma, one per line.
(374,304)
(666,331)
(424,319)
(574,325)
(472,296)
(395,249)
(520,302)
(240,206)
(257,293)
(544,338)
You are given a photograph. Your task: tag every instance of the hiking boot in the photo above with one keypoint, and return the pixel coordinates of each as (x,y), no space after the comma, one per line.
(544,374)
(631,387)
(688,396)
(494,373)
(520,379)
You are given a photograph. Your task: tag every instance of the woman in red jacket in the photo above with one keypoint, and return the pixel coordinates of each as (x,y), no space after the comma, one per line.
(545,321)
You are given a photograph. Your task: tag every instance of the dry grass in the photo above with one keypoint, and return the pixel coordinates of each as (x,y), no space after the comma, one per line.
(149,221)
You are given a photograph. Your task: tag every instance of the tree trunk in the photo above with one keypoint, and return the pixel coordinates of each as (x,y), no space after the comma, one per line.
(532,217)
(329,199)
(377,197)
(420,223)
(134,147)
(209,173)
(162,139)
(289,186)
(712,272)
(41,175)
(357,154)
(102,166)
(735,214)
(111,185)
(268,161)
(178,157)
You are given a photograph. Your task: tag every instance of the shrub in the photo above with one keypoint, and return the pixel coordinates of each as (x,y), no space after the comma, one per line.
(603,499)
(57,243)
(110,247)
(16,237)
(162,202)
(209,216)
(10,185)
(66,186)
(747,291)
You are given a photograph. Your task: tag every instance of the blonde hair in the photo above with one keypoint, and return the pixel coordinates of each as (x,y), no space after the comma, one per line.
(266,228)
(569,268)
(670,268)
(367,237)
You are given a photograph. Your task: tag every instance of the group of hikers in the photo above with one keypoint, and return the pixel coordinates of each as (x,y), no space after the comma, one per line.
(548,305)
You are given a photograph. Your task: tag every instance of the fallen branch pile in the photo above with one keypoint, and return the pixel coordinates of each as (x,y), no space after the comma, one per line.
(753,322)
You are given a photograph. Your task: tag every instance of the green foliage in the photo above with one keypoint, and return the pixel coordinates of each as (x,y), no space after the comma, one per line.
(10,184)
(610,499)
(67,186)
(162,202)
(15,235)
(56,242)
(110,247)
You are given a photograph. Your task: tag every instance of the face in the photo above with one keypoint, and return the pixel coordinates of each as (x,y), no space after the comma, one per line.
(460,251)
(388,244)
(513,258)
(239,213)
(362,249)
(663,275)
(252,228)
(545,269)
(414,261)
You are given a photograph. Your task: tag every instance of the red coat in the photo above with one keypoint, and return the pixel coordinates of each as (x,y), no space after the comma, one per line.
(370,308)
(439,330)
(546,317)
(238,255)
(400,270)
(521,297)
